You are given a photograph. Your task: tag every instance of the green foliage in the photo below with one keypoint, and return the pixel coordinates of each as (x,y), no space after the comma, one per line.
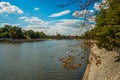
(117,34)
(42,35)
(33,35)
(17,33)
(30,34)
(107,30)
(11,32)
(4,34)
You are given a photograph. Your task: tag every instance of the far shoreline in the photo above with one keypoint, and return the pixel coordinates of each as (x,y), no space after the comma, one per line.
(7,40)
(19,40)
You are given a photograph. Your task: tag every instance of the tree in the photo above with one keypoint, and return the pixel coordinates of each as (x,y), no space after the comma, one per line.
(30,34)
(4,35)
(37,34)
(107,30)
(42,34)
(18,32)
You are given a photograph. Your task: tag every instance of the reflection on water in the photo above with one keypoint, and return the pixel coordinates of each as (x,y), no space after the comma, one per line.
(42,60)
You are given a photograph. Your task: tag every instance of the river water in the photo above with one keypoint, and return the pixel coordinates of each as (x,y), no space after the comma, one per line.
(41,60)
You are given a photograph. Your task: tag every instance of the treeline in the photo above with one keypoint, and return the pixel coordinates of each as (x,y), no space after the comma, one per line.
(59,36)
(17,33)
(14,32)
(107,30)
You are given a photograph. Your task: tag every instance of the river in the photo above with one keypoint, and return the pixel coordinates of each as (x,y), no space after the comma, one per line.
(41,60)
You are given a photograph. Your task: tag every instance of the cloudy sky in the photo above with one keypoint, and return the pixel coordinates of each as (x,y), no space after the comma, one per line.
(45,15)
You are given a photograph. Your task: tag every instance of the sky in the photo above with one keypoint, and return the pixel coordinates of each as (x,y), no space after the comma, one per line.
(45,15)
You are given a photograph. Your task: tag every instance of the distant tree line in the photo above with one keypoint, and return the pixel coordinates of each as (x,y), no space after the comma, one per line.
(59,36)
(14,32)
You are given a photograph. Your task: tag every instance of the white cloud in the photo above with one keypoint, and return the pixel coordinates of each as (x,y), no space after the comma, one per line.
(37,27)
(32,20)
(3,24)
(104,1)
(8,8)
(64,26)
(103,5)
(36,9)
(24,17)
(60,13)
(97,6)
(34,23)
(69,23)
(83,13)
(62,30)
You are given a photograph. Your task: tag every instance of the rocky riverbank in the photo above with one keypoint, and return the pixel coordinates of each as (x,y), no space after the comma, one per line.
(102,65)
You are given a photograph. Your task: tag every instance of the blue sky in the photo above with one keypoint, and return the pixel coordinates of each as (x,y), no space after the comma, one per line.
(44,15)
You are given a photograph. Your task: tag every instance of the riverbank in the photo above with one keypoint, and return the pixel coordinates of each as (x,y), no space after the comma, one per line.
(5,40)
(102,65)
(19,40)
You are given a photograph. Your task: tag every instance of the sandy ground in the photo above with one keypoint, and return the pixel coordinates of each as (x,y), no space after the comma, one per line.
(102,65)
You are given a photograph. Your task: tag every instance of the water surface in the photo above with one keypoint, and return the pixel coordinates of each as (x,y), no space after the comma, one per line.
(40,60)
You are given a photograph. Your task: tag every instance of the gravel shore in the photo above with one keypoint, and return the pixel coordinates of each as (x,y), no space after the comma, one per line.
(102,65)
